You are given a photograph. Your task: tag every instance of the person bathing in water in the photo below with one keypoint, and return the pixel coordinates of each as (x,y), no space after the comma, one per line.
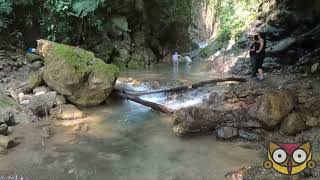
(175,58)
(257,55)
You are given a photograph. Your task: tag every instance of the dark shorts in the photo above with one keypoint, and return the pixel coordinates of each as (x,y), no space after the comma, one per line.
(257,63)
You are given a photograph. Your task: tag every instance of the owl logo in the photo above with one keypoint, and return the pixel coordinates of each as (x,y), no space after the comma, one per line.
(289,159)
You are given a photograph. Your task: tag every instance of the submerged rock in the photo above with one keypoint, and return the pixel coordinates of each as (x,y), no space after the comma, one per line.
(272,108)
(84,79)
(226,133)
(66,112)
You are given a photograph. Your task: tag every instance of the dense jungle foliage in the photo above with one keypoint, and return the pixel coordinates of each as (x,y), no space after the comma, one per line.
(60,20)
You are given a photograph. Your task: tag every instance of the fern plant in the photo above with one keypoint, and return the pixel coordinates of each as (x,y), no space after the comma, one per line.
(81,8)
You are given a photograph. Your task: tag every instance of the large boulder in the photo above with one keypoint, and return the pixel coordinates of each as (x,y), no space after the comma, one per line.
(272,108)
(76,73)
(196,119)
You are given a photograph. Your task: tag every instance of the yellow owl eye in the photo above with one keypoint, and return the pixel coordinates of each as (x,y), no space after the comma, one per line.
(279,156)
(299,156)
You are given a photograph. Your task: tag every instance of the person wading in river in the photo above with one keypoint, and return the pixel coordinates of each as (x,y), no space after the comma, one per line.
(261,54)
(175,58)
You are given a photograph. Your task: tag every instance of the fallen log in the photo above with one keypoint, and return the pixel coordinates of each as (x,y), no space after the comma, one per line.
(184,88)
(155,106)
(285,44)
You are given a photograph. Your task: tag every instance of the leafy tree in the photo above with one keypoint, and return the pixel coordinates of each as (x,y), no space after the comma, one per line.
(5,9)
(70,20)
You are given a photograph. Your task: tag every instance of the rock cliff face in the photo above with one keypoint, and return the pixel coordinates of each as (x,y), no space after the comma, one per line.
(140,33)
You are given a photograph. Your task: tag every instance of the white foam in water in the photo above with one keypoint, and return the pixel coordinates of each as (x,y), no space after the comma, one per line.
(191,98)
(202,44)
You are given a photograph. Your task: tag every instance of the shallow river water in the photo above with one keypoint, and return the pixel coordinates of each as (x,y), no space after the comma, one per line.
(128,141)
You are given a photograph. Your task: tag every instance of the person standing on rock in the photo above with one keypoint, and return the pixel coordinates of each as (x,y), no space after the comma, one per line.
(261,54)
(253,55)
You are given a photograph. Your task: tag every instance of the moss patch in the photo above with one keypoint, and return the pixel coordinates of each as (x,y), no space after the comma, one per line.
(83,61)
(35,80)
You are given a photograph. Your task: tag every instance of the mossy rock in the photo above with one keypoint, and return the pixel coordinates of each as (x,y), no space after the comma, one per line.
(34,80)
(76,73)
(142,58)
(33,57)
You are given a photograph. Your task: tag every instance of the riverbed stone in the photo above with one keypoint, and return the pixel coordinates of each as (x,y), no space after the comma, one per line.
(272,108)
(226,133)
(40,105)
(3,129)
(66,112)
(76,73)
(60,99)
(250,135)
(7,142)
(293,124)
(261,173)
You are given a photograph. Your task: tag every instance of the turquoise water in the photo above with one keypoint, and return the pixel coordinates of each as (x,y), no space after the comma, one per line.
(128,141)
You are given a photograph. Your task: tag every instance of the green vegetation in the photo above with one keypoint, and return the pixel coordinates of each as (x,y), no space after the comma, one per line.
(177,10)
(235,16)
(5,9)
(65,21)
(232,18)
(35,80)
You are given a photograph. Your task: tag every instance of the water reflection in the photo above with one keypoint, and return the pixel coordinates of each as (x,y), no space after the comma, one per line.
(175,71)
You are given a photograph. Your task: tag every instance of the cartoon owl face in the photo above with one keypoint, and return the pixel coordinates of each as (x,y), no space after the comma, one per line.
(289,159)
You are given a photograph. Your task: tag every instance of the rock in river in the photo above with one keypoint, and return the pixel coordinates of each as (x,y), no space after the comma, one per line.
(196,119)
(76,73)
(226,132)
(66,112)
